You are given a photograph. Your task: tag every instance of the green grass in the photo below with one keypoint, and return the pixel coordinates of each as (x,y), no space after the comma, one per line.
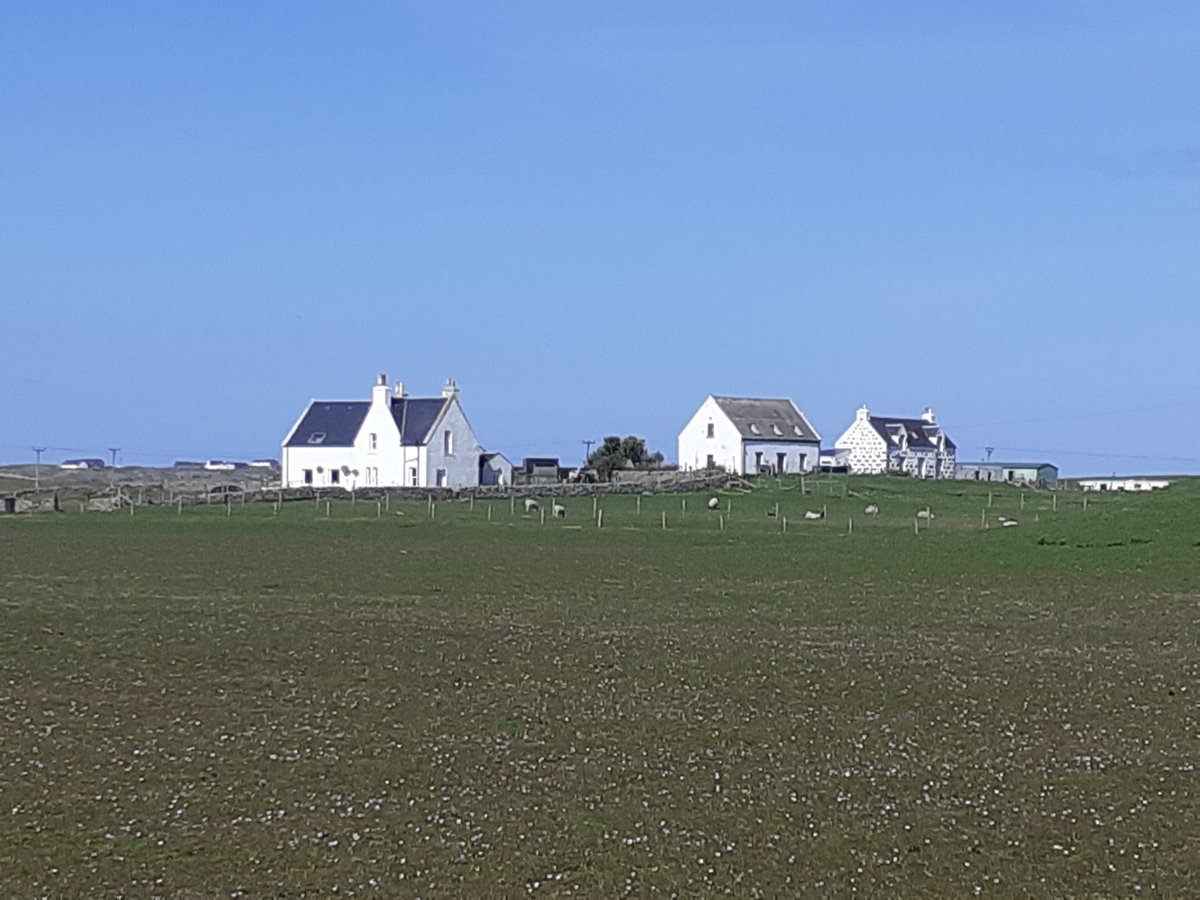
(405,705)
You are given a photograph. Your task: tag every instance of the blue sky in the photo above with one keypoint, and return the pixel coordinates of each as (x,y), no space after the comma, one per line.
(594,215)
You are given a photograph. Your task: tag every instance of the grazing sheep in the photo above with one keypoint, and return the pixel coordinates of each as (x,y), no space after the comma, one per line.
(714,503)
(872,510)
(531,506)
(926,514)
(811,515)
(1003,520)
(1009,523)
(558,511)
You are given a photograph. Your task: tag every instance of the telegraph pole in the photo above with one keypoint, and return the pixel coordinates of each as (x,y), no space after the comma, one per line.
(37,468)
(114,451)
(587,450)
(989,452)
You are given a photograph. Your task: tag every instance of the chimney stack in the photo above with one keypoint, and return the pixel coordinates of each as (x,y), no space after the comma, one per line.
(928,416)
(451,389)
(379,393)
(400,392)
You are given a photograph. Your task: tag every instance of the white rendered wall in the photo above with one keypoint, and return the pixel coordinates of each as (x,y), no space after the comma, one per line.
(725,446)
(792,451)
(868,451)
(461,465)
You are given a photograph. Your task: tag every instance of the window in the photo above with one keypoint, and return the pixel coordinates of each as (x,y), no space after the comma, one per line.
(412,475)
(308,476)
(712,430)
(757,460)
(712,463)
(335,477)
(775,428)
(754,428)
(448,442)
(317,437)
(441,477)
(374,441)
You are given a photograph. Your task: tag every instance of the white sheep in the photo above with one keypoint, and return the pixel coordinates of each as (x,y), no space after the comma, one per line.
(714,503)
(926,514)
(1009,523)
(872,510)
(531,506)
(811,515)
(558,511)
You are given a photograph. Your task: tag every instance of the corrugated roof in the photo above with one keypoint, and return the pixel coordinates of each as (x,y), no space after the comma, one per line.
(338,421)
(767,419)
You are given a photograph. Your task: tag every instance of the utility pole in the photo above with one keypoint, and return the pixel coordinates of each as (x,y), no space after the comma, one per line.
(37,468)
(587,450)
(989,452)
(114,451)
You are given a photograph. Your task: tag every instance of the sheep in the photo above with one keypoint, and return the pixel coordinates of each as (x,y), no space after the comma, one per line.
(811,515)
(872,510)
(1009,523)
(1003,520)
(714,503)
(558,511)
(926,514)
(531,506)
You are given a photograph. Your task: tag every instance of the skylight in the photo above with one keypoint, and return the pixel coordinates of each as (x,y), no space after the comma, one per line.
(753,428)
(317,437)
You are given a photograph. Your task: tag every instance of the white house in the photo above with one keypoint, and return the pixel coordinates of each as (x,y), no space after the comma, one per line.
(749,435)
(917,447)
(392,440)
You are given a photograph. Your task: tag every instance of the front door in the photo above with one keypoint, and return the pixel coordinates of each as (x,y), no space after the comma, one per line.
(780,463)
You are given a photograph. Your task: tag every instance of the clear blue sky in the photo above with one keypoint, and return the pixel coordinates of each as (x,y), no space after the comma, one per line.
(593,215)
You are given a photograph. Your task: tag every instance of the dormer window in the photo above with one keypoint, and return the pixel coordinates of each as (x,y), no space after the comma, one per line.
(754,429)
(317,437)
(799,433)
(775,428)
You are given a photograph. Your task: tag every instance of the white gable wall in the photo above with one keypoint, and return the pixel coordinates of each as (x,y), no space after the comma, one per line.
(868,451)
(725,446)
(462,463)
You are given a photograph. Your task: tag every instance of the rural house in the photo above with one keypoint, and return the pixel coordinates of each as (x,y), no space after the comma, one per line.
(882,444)
(749,435)
(391,440)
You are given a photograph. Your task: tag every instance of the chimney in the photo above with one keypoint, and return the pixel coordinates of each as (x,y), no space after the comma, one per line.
(379,393)
(451,389)
(864,412)
(928,416)
(400,392)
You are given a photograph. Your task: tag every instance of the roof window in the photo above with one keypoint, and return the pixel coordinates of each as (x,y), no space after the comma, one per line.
(753,428)
(775,428)
(317,437)
(799,433)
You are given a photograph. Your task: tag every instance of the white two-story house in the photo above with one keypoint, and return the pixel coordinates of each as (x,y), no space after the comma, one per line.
(885,444)
(392,440)
(747,435)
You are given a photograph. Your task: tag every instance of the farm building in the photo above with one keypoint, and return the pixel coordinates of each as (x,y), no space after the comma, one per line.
(391,440)
(494,469)
(81,464)
(538,470)
(1123,484)
(748,435)
(1037,474)
(883,444)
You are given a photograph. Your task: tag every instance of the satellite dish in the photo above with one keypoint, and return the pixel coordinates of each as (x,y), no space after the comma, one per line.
(345,470)
(320,469)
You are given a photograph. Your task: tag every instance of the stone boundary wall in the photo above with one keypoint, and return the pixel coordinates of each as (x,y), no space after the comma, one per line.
(124,496)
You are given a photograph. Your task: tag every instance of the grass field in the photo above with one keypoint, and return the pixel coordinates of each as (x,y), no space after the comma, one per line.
(404,704)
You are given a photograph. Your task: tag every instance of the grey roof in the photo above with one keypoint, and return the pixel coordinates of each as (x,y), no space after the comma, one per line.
(339,421)
(1025,465)
(763,413)
(920,433)
(416,416)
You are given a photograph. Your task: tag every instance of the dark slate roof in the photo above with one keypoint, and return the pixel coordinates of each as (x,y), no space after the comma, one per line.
(416,416)
(339,421)
(745,412)
(921,435)
(1025,465)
